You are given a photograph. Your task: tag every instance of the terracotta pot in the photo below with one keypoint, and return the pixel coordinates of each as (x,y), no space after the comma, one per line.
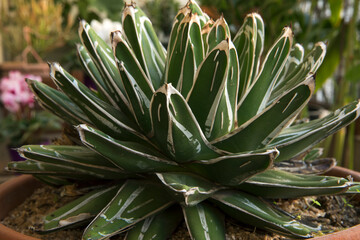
(15,191)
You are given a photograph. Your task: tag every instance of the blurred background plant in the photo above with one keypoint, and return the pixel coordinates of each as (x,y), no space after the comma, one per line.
(337,81)
(31,29)
(22,122)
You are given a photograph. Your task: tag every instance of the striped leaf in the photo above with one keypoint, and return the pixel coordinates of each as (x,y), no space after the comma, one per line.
(295,58)
(104,59)
(79,211)
(213,110)
(249,209)
(144,43)
(204,222)
(188,188)
(196,9)
(90,67)
(135,201)
(58,103)
(185,54)
(138,87)
(309,66)
(133,157)
(301,137)
(249,43)
(280,184)
(73,158)
(219,32)
(265,126)
(102,114)
(175,129)
(235,168)
(153,226)
(259,92)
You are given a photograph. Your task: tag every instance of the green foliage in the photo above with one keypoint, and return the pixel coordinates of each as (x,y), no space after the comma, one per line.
(179,129)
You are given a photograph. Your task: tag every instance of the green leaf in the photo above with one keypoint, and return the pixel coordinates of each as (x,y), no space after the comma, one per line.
(132,157)
(336,7)
(295,58)
(209,91)
(104,60)
(73,157)
(189,188)
(153,226)
(145,44)
(249,43)
(256,98)
(138,87)
(204,222)
(90,67)
(102,114)
(251,210)
(79,211)
(308,67)
(52,180)
(248,137)
(175,129)
(235,168)
(58,103)
(280,184)
(331,62)
(135,201)
(301,137)
(56,169)
(185,54)
(219,32)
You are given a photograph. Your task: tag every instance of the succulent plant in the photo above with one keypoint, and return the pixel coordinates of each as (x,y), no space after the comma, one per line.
(193,132)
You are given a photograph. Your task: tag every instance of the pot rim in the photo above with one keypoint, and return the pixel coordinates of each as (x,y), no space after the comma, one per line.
(28,185)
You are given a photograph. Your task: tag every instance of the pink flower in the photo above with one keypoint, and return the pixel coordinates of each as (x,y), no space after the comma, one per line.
(15,93)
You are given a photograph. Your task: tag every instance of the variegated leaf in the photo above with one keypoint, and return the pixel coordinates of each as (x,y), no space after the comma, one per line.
(271,121)
(252,210)
(104,59)
(79,211)
(212,78)
(145,44)
(256,98)
(235,168)
(90,67)
(138,87)
(135,201)
(188,188)
(153,226)
(133,157)
(219,32)
(186,54)
(60,170)
(280,184)
(204,222)
(295,58)
(309,66)
(196,9)
(102,114)
(58,103)
(73,158)
(301,137)
(175,129)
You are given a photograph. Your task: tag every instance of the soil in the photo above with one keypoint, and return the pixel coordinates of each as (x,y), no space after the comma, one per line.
(333,212)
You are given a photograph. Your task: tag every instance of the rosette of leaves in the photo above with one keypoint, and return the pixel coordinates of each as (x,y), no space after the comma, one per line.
(192,132)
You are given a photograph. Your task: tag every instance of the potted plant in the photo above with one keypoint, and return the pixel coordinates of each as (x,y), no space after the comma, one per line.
(194,132)
(22,123)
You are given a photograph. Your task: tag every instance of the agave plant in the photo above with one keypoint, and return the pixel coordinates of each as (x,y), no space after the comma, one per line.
(193,132)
